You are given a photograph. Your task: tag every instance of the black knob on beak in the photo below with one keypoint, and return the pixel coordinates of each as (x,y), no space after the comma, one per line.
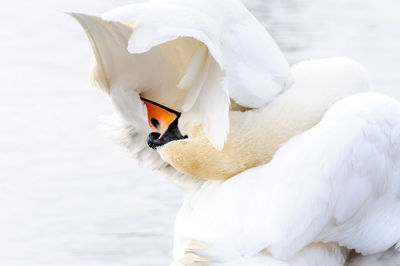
(172,133)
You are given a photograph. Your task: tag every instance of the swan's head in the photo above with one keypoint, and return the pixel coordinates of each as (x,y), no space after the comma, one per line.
(164,123)
(190,151)
(173,70)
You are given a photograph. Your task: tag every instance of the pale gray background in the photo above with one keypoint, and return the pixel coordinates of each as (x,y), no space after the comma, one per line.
(68,196)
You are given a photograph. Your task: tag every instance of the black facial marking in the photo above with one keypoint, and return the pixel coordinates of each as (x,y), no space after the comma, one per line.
(172,133)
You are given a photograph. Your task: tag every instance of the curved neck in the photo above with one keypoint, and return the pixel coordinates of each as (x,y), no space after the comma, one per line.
(255,135)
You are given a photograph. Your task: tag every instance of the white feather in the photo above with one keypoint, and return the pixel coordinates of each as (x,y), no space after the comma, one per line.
(160,46)
(211,109)
(194,68)
(387,258)
(338,182)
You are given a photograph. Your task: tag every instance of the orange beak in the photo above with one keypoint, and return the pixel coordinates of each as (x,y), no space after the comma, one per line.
(159,117)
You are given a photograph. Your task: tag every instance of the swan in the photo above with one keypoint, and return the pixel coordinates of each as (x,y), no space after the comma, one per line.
(279,165)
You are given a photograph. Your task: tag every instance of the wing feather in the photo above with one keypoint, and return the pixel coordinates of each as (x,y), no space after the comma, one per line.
(337,182)
(183,53)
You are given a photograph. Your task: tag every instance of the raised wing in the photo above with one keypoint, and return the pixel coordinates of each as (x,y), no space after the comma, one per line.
(193,56)
(337,182)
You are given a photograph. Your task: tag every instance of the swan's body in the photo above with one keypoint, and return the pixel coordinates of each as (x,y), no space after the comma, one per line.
(337,182)
(266,181)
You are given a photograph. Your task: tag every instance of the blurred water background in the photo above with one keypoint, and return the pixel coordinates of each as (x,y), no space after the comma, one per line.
(68,196)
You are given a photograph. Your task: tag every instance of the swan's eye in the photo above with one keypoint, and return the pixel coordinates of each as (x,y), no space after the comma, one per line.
(159,117)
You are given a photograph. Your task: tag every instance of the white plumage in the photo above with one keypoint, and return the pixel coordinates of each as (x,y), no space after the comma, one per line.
(331,187)
(195,51)
(337,182)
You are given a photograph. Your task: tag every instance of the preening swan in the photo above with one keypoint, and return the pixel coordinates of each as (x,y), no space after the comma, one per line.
(279,165)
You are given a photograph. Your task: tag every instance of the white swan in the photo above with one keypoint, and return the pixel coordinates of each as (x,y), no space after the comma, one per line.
(279,165)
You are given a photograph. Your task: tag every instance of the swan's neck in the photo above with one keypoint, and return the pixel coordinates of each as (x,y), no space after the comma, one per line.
(255,135)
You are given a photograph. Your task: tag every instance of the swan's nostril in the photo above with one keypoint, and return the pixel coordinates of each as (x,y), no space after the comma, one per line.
(156,124)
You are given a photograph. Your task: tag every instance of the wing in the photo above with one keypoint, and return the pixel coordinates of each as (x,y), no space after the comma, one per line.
(112,73)
(337,182)
(190,57)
